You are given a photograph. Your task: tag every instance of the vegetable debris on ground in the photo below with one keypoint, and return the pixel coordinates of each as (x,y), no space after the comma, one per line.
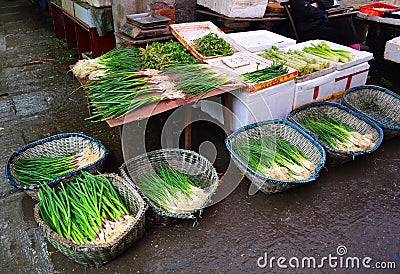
(40,170)
(162,55)
(275,158)
(324,51)
(337,134)
(295,59)
(87,210)
(118,59)
(268,73)
(212,45)
(172,190)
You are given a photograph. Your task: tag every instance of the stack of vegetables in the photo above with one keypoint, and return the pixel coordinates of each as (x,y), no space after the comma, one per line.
(212,45)
(40,170)
(172,190)
(324,51)
(275,158)
(295,59)
(337,134)
(262,75)
(87,210)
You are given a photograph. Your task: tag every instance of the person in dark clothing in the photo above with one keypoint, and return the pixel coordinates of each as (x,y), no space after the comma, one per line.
(311,19)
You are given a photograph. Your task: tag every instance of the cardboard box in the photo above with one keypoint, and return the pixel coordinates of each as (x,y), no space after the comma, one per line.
(84,13)
(348,78)
(68,5)
(318,89)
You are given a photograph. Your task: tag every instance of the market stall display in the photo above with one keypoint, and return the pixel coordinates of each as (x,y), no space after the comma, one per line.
(176,183)
(325,121)
(276,155)
(378,104)
(91,253)
(45,157)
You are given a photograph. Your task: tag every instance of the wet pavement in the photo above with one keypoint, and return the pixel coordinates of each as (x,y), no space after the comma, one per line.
(355,205)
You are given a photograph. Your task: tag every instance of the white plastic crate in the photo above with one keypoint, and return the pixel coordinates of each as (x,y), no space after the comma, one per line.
(236,8)
(350,77)
(84,13)
(274,102)
(318,89)
(259,40)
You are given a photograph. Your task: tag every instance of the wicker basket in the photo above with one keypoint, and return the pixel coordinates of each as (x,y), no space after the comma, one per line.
(285,130)
(186,161)
(377,103)
(60,145)
(355,120)
(97,255)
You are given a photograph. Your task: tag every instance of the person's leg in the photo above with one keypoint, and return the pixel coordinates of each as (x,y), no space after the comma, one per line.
(347,31)
(321,32)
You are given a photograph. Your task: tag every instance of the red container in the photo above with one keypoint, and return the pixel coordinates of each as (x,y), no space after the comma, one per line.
(377,9)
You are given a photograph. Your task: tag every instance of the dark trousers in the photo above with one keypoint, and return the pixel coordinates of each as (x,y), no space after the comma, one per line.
(340,30)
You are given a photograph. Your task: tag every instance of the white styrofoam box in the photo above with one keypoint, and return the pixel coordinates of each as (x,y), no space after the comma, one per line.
(359,56)
(392,50)
(350,77)
(318,89)
(68,5)
(274,102)
(236,8)
(259,40)
(84,13)
(99,3)
(213,107)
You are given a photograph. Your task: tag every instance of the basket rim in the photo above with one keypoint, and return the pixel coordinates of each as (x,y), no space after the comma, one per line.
(355,89)
(58,179)
(157,209)
(352,112)
(83,247)
(269,179)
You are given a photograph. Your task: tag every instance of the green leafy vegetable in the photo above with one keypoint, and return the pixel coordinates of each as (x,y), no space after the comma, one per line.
(212,45)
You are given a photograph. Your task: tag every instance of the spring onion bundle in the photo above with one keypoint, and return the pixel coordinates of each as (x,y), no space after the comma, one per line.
(162,55)
(268,73)
(337,134)
(295,59)
(172,190)
(198,80)
(212,45)
(324,51)
(118,59)
(40,170)
(87,210)
(275,158)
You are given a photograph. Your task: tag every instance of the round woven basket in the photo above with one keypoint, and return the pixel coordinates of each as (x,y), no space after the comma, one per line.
(378,104)
(353,119)
(285,130)
(185,161)
(60,145)
(96,255)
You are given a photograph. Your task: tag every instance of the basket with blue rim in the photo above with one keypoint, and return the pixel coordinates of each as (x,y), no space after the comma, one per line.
(344,133)
(276,155)
(53,159)
(378,104)
(176,183)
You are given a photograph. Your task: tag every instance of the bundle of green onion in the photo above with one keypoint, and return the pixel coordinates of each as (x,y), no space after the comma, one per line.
(118,59)
(295,59)
(275,158)
(337,134)
(172,190)
(324,51)
(268,73)
(87,210)
(40,170)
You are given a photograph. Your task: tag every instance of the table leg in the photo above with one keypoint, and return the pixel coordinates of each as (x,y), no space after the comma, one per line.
(188,126)
(69,27)
(226,112)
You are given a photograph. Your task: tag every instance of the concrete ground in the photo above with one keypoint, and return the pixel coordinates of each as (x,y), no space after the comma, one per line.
(354,206)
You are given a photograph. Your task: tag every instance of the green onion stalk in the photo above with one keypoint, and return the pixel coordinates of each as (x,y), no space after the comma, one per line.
(324,51)
(268,73)
(87,210)
(337,134)
(172,190)
(118,59)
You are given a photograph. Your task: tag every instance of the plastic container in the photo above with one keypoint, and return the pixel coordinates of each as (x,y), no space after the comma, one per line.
(377,9)
(236,8)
